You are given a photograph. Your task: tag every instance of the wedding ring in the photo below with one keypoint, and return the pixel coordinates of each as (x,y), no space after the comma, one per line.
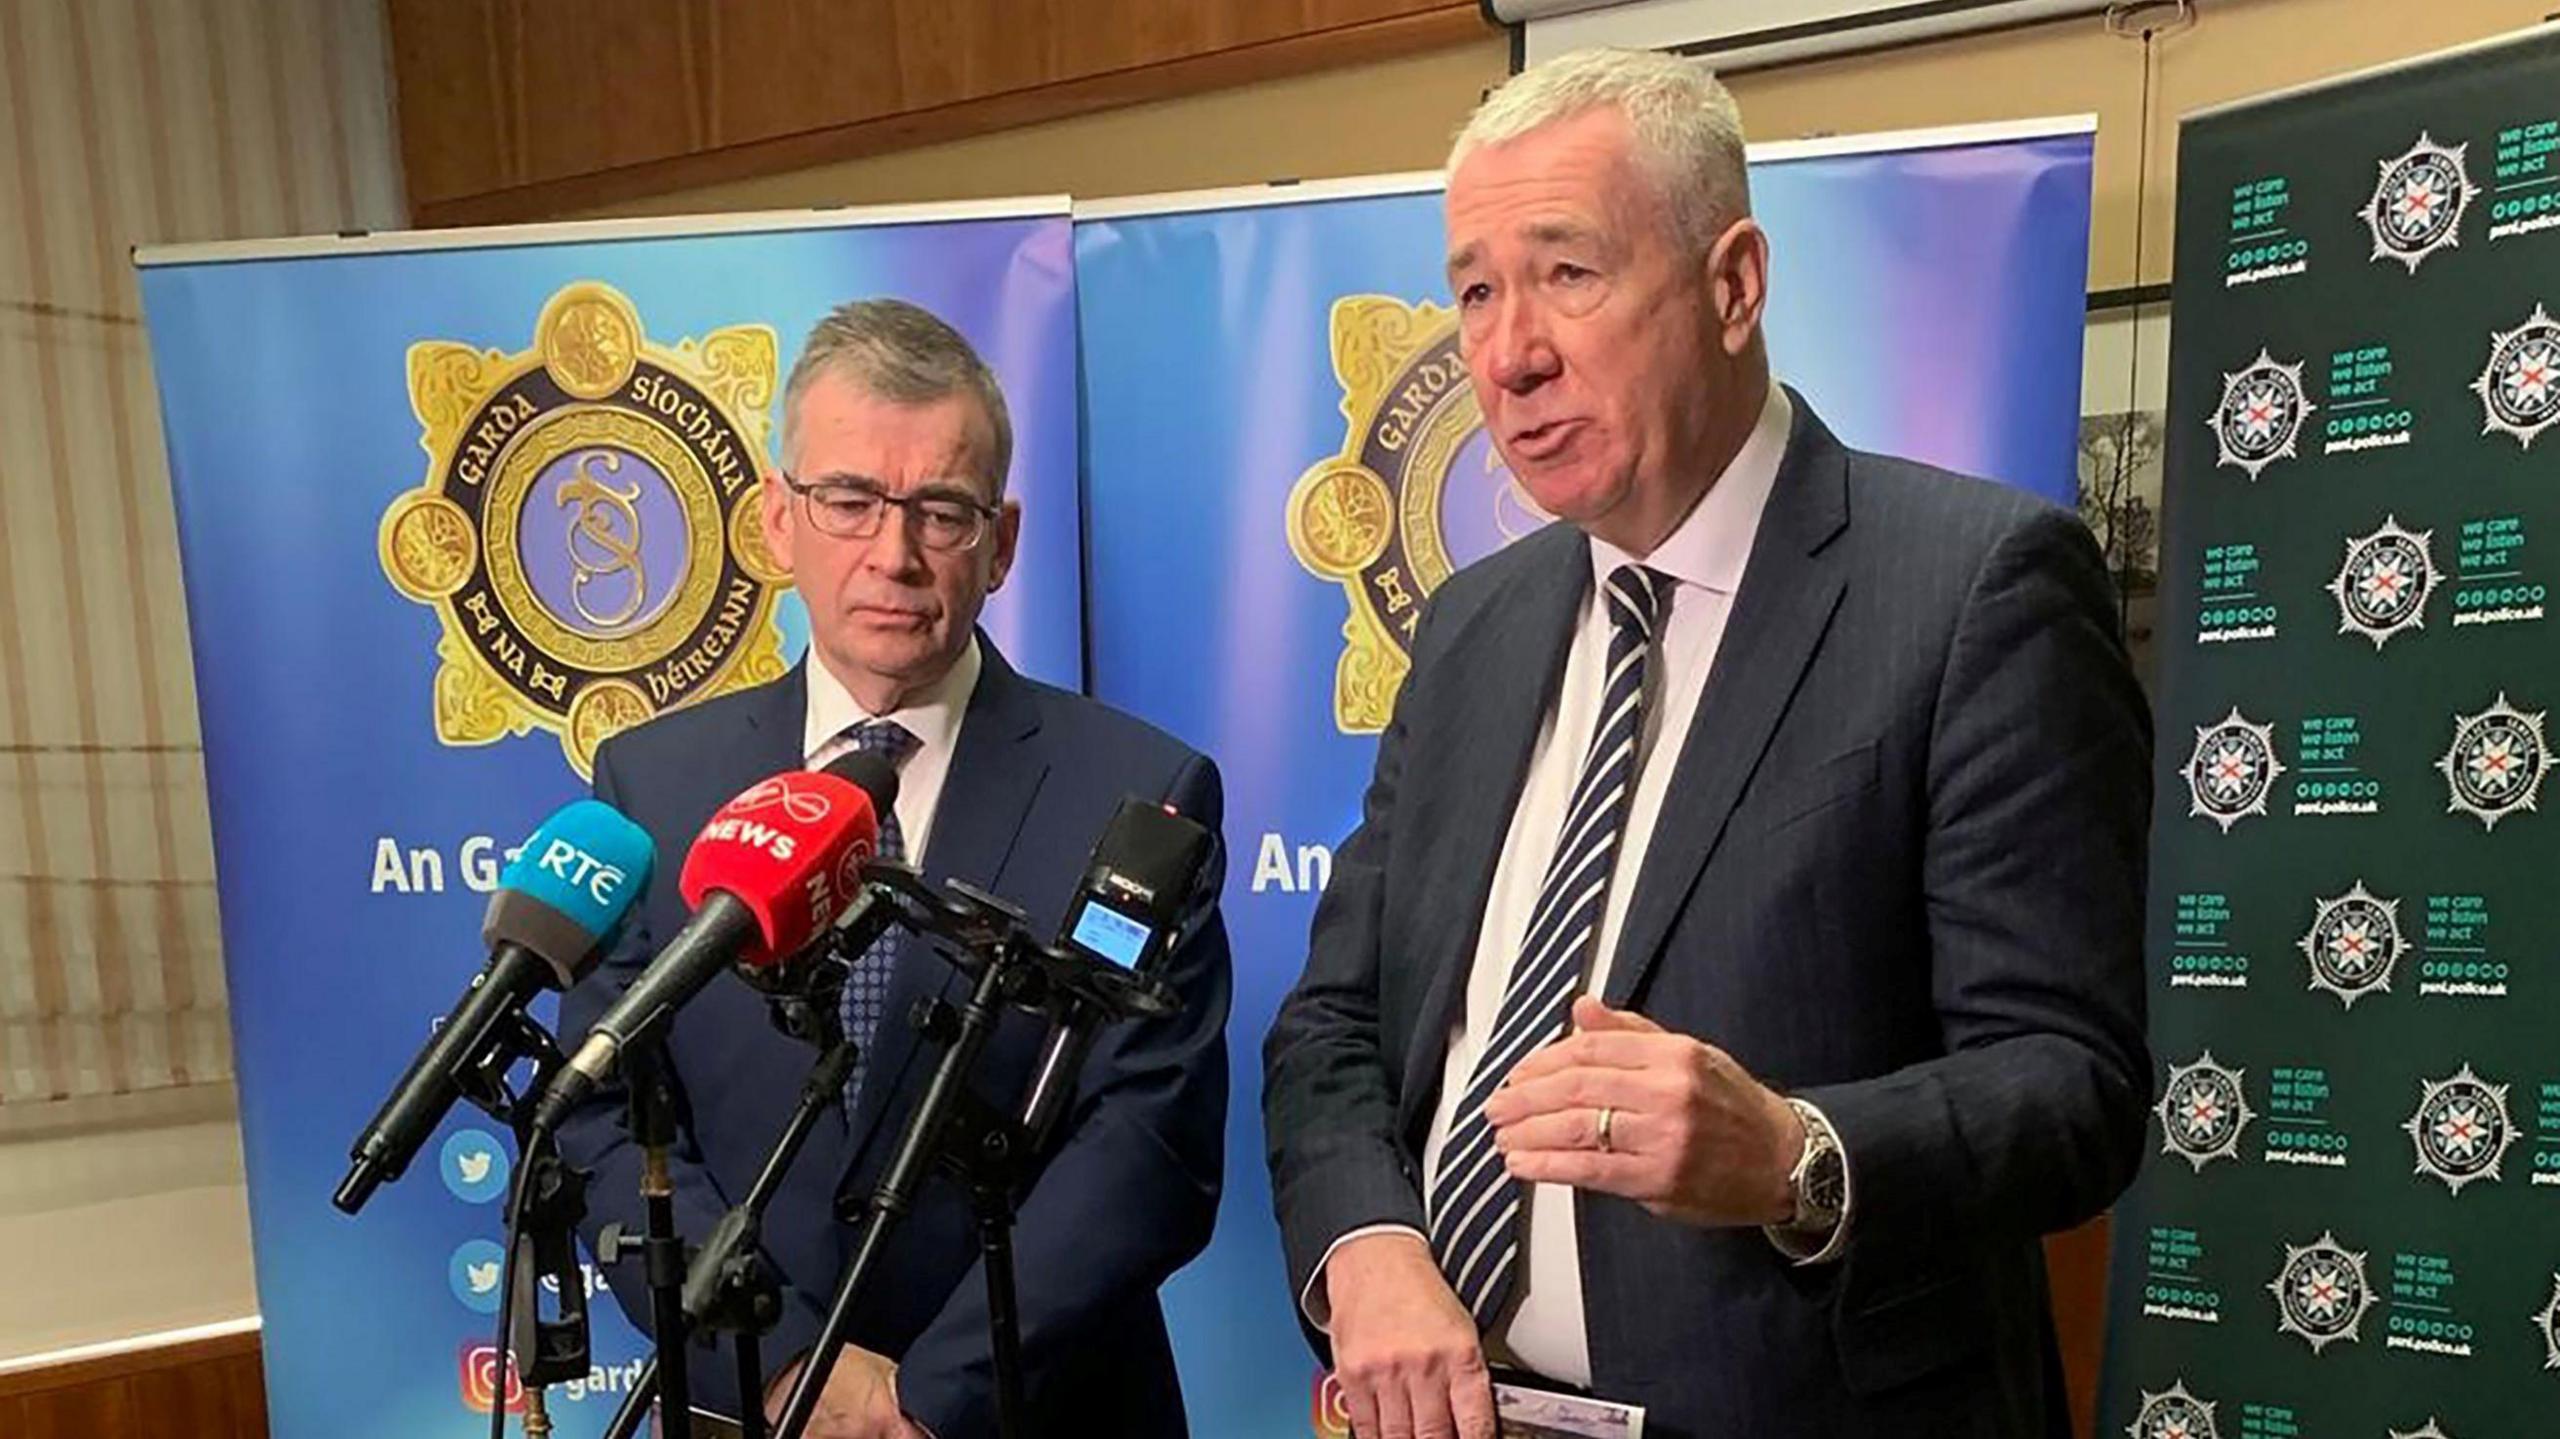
(1608,1116)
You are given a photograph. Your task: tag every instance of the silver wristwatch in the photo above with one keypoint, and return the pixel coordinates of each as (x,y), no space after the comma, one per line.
(1819,1181)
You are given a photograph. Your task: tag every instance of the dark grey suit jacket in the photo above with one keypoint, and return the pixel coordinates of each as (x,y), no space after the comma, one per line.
(1125,1197)
(1899,872)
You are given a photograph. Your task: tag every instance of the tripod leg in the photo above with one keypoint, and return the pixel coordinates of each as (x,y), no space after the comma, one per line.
(636,1404)
(750,1386)
(1004,1323)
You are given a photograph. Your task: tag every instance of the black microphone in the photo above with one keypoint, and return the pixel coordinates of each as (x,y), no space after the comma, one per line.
(565,892)
(768,871)
(1142,890)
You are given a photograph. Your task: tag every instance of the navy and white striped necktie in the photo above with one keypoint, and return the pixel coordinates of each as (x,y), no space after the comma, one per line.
(1474,1204)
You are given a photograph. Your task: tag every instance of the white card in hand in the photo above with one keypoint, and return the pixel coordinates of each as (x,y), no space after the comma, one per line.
(1536,1414)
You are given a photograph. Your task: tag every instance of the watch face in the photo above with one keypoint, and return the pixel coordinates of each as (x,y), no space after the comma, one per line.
(1823,1181)
(1821,1176)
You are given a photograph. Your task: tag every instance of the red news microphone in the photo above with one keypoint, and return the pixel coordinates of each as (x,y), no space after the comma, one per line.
(768,871)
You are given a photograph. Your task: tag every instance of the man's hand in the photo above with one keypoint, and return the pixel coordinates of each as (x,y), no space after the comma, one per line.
(1404,1349)
(859,1402)
(1690,1134)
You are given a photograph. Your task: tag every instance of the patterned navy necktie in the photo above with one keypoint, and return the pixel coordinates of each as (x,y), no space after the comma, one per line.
(1474,1205)
(866,985)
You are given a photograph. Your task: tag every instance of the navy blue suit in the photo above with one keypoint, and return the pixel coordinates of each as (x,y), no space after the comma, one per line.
(1128,1192)
(1899,871)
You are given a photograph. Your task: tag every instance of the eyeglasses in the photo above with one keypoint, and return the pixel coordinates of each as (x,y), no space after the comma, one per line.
(850,510)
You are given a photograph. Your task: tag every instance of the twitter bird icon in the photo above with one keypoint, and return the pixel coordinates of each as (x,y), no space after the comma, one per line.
(474,1272)
(475,1168)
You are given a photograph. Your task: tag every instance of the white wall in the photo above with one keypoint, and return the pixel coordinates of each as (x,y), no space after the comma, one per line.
(120,1217)
(123,122)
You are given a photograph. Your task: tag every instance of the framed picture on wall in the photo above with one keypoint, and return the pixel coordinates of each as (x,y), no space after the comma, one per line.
(2124,399)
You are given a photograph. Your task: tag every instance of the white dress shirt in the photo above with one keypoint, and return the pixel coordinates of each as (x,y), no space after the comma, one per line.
(1704,558)
(933,717)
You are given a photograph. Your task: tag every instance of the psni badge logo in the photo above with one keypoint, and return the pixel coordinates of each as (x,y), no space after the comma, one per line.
(2261,414)
(2383,585)
(2321,1293)
(2417,205)
(587,532)
(2232,771)
(1417,491)
(2353,942)
(2494,767)
(2202,1112)
(2176,1414)
(2519,388)
(2461,1128)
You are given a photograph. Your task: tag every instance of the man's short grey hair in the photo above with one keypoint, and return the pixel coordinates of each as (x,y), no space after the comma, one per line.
(1688,130)
(904,354)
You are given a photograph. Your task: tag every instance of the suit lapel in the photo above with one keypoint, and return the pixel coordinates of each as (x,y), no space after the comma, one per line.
(776,727)
(1507,667)
(770,742)
(1789,591)
(995,772)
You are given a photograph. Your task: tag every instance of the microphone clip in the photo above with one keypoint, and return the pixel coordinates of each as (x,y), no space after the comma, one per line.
(553,1350)
(804,999)
(482,1079)
(976,930)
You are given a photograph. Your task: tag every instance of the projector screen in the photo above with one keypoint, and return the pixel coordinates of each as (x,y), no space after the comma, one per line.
(1743,34)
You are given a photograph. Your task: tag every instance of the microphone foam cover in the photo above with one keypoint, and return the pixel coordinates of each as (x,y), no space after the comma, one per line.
(587,866)
(791,848)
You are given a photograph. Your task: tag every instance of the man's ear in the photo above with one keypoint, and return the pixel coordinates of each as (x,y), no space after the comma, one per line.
(1738,283)
(774,518)
(1008,543)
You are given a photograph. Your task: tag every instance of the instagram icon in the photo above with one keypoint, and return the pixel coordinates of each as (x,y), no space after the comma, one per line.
(480,1370)
(1332,1417)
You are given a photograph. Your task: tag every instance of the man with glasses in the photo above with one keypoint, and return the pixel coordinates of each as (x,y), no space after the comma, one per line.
(891,516)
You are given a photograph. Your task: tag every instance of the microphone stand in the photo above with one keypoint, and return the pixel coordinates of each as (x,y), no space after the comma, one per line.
(552,1200)
(992,1153)
(989,1151)
(895,1195)
(985,1150)
(653,1127)
(728,1287)
(555,1202)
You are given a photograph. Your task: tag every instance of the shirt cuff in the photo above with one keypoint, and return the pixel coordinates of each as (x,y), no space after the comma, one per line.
(1820,1244)
(1316,1304)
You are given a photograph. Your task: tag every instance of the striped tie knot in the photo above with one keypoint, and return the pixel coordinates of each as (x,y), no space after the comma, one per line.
(1635,599)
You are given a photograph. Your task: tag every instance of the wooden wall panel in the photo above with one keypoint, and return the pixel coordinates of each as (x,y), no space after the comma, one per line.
(521,109)
(2076,1267)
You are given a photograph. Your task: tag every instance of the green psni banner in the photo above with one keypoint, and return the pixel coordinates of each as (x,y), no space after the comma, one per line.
(2348,1222)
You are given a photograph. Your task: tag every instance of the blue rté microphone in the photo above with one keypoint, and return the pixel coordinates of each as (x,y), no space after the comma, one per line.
(558,904)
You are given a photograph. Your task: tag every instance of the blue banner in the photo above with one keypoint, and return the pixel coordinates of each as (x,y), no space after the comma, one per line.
(1282,459)
(450,515)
